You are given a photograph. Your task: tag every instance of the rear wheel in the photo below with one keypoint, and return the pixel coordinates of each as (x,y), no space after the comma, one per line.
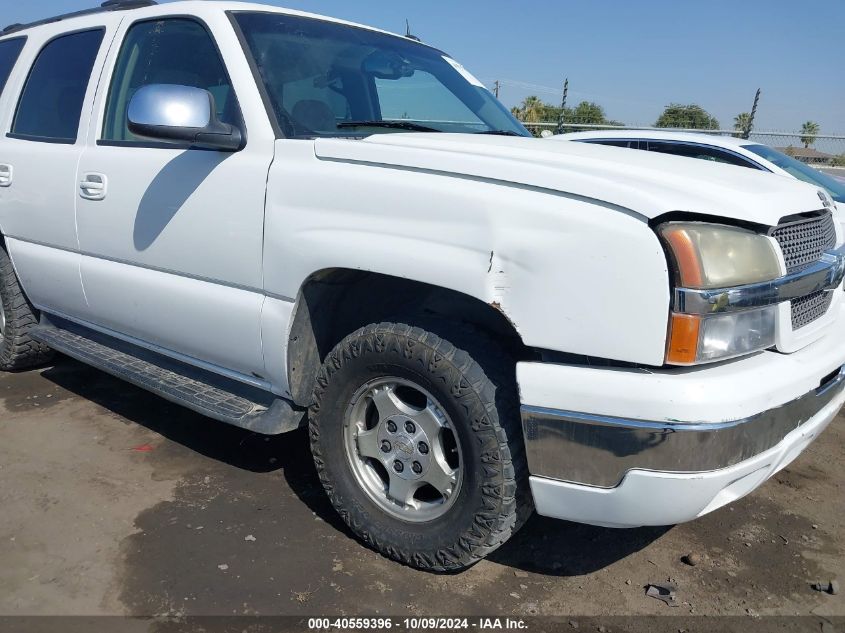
(418,444)
(17,318)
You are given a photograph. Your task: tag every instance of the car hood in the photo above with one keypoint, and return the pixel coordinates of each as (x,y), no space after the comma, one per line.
(648,184)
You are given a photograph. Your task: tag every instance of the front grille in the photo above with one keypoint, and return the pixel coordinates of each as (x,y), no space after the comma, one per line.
(804,241)
(807,309)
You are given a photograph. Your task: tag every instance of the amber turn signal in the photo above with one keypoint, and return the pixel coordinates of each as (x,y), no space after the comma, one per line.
(686,254)
(683,339)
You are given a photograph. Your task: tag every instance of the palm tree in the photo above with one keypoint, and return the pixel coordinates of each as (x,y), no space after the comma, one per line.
(742,123)
(809,131)
(532,110)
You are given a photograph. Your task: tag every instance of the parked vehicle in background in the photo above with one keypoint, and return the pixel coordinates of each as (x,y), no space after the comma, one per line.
(279,219)
(722,149)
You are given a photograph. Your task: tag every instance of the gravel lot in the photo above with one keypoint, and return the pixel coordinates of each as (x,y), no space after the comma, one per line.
(114,501)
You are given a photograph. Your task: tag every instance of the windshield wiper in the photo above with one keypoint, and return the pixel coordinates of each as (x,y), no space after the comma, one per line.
(398,125)
(499,133)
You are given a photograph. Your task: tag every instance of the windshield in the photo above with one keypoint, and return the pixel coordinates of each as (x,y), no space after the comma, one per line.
(324,79)
(800,170)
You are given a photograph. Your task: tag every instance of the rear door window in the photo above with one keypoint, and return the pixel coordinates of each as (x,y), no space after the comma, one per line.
(10,50)
(702,152)
(50,107)
(629,143)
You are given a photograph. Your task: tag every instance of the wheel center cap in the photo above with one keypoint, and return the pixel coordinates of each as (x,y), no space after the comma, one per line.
(404,446)
(400,448)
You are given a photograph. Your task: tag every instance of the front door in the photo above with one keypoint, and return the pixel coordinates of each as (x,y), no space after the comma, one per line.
(171,237)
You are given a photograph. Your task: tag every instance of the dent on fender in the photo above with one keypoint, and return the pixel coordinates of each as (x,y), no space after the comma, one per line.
(499,286)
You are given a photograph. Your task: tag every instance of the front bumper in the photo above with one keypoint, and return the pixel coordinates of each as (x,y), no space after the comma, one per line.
(630,447)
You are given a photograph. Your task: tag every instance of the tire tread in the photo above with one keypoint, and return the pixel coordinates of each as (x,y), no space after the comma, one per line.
(483,383)
(17,350)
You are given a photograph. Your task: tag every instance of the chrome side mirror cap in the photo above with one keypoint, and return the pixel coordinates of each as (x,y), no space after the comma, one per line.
(166,112)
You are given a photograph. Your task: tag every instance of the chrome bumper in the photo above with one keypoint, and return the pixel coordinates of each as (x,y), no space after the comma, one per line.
(597,450)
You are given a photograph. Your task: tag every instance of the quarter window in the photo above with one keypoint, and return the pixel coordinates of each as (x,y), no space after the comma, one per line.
(50,107)
(173,51)
(10,50)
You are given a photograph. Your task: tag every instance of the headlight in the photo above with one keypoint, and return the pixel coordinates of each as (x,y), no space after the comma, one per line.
(719,256)
(708,256)
(702,339)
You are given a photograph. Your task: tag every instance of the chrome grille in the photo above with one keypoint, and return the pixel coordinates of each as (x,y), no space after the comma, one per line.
(807,309)
(804,241)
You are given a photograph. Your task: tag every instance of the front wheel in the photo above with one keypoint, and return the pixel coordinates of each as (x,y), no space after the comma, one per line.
(418,444)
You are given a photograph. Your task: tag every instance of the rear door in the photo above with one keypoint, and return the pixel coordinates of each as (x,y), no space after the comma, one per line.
(44,124)
(171,239)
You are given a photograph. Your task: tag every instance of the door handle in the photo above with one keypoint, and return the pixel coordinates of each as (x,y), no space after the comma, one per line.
(6,174)
(93,186)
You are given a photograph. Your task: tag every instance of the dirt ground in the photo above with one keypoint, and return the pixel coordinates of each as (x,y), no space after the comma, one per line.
(113,501)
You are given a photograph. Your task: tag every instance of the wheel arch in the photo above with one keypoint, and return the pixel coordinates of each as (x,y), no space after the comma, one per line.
(329,306)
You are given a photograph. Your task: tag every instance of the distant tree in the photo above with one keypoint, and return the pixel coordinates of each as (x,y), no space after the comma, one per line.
(839,161)
(531,110)
(789,151)
(534,110)
(742,122)
(588,112)
(809,131)
(687,116)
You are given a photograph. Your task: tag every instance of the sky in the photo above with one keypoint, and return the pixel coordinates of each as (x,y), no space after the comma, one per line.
(632,57)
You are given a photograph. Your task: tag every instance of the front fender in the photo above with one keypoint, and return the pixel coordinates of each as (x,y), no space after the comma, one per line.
(571,274)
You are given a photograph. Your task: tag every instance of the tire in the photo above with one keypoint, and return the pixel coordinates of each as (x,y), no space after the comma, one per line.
(456,380)
(17,350)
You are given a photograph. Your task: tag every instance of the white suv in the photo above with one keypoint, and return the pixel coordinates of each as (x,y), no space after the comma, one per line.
(279,219)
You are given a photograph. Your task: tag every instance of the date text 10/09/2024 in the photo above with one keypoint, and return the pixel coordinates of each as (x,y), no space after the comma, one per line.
(431,623)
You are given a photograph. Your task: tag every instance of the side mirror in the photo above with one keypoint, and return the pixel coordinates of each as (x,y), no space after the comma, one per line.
(165,112)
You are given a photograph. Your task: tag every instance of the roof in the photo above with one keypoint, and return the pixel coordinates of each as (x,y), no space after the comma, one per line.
(190,7)
(803,152)
(105,7)
(718,140)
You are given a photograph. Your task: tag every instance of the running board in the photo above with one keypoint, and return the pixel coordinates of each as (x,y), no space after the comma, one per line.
(212,395)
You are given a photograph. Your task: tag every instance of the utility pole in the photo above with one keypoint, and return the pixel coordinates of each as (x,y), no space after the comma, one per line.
(496,88)
(747,131)
(562,106)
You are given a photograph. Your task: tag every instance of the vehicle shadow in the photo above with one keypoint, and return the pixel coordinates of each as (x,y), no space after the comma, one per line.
(544,546)
(177,181)
(562,548)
